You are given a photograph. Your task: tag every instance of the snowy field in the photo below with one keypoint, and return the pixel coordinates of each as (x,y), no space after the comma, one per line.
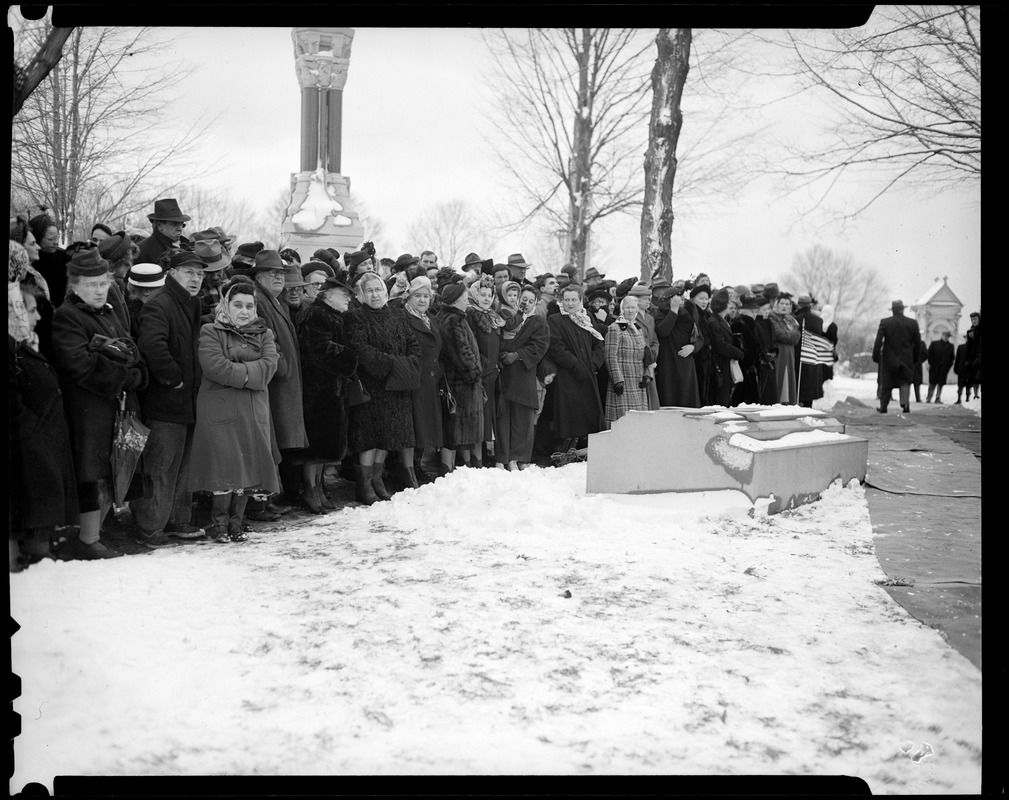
(500,623)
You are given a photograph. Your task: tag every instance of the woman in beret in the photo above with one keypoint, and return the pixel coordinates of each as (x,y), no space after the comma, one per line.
(388,357)
(96,381)
(233,452)
(463,365)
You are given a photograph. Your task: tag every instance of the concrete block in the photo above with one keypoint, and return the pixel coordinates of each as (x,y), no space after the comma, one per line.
(787,452)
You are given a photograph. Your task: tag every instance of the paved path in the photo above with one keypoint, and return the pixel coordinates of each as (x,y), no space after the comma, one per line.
(924,493)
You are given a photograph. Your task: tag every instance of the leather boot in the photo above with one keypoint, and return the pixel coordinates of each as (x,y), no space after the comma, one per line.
(320,490)
(310,498)
(408,476)
(364,492)
(220,516)
(377,483)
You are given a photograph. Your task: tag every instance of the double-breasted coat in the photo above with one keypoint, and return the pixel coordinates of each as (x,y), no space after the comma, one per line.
(897,349)
(427,412)
(518,379)
(285,388)
(233,439)
(377,335)
(746,391)
(92,383)
(463,365)
(675,375)
(42,489)
(327,362)
(576,409)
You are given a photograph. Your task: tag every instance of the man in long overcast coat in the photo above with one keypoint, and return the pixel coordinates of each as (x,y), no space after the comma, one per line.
(897,350)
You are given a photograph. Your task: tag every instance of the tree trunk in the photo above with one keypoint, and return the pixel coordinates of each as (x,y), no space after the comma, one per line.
(580,189)
(40,66)
(668,77)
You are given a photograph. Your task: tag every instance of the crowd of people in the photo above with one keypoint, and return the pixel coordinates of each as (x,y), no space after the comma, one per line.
(254,369)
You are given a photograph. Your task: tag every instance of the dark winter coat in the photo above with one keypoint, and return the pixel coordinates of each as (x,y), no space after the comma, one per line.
(722,352)
(830,332)
(327,363)
(464,370)
(940,360)
(233,445)
(768,392)
(53,267)
(810,376)
(973,353)
(675,375)
(576,408)
(489,343)
(285,388)
(42,487)
(518,379)
(154,246)
(377,336)
(702,352)
(91,384)
(744,331)
(897,348)
(427,412)
(169,342)
(960,367)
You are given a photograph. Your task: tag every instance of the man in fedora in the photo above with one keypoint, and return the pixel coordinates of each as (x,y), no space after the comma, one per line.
(896,350)
(216,259)
(593,277)
(168,222)
(168,340)
(519,267)
(269,273)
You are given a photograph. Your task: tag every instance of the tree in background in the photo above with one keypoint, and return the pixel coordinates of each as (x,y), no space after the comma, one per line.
(575,101)
(853,290)
(906,89)
(87,143)
(451,229)
(668,78)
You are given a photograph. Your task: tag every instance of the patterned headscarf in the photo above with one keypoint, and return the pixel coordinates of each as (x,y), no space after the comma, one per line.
(581,319)
(19,268)
(489,320)
(17,317)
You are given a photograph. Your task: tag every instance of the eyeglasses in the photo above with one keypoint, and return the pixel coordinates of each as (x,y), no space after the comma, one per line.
(277,273)
(317,284)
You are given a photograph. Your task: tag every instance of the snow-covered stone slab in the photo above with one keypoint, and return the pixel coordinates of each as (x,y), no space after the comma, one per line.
(788,454)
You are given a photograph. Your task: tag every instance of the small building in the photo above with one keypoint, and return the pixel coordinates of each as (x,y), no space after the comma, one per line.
(937,311)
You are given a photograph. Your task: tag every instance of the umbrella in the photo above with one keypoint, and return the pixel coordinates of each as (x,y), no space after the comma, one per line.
(127,447)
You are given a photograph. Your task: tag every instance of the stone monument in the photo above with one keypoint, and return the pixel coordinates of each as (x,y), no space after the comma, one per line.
(937,312)
(320,213)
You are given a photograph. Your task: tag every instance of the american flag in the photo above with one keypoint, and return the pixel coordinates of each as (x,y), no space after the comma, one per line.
(815,349)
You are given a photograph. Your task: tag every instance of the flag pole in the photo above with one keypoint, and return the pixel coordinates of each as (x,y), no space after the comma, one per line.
(798,380)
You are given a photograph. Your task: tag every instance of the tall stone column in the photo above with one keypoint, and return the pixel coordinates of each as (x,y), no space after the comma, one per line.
(320,212)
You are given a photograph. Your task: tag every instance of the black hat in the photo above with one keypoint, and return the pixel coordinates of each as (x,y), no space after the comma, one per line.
(451,292)
(473,261)
(87,262)
(332,282)
(770,291)
(719,301)
(401,264)
(597,294)
(753,300)
(115,247)
(317,266)
(185,258)
(168,210)
(266,260)
(246,253)
(698,288)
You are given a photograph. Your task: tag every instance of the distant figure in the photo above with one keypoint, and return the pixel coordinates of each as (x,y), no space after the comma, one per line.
(973,356)
(962,372)
(896,350)
(940,359)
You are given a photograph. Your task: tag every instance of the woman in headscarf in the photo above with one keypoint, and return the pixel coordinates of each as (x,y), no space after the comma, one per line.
(522,349)
(676,375)
(388,356)
(427,422)
(96,382)
(42,489)
(327,363)
(488,327)
(785,336)
(462,364)
(625,360)
(233,442)
(577,351)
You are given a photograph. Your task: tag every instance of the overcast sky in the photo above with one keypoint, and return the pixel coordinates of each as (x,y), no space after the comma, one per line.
(414,109)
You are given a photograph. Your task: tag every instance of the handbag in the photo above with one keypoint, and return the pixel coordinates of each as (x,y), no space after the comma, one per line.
(735,371)
(355,392)
(447,399)
(119,349)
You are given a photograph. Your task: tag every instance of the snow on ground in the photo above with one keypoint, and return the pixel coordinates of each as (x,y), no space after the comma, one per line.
(434,634)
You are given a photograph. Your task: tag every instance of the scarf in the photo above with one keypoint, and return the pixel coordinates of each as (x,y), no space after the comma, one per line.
(19,268)
(488,321)
(581,319)
(422,317)
(17,318)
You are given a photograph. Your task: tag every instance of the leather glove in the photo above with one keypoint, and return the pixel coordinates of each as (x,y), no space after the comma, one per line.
(645,381)
(618,388)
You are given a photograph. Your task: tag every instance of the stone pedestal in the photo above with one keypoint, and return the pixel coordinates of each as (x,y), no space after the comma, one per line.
(320,212)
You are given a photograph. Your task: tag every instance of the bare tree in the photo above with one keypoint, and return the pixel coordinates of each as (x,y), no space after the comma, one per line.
(576,101)
(853,290)
(26,79)
(88,143)
(374,227)
(906,89)
(668,78)
(450,229)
